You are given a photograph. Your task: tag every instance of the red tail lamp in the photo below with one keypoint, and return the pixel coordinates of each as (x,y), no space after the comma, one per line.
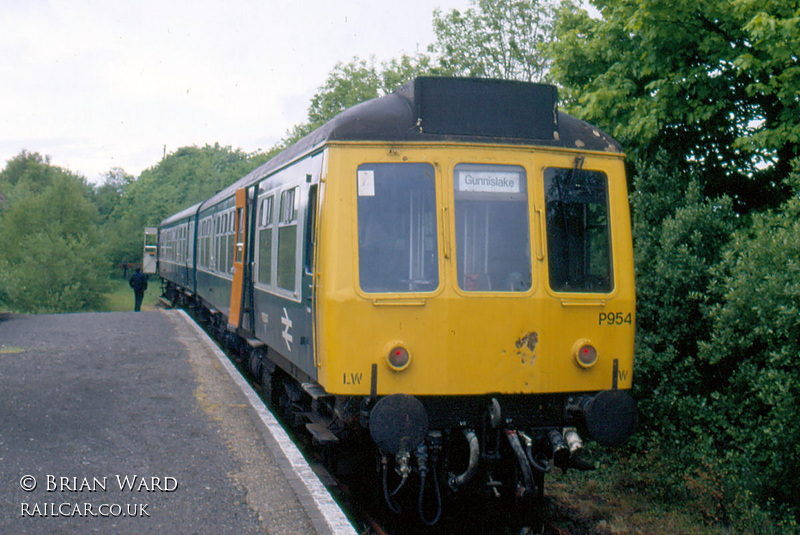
(585,353)
(398,358)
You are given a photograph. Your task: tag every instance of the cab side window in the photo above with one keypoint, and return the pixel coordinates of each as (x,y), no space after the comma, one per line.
(578,230)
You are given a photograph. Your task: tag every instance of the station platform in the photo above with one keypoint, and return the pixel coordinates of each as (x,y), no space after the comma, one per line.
(137,423)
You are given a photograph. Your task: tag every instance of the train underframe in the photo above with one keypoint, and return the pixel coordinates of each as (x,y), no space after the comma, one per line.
(431,449)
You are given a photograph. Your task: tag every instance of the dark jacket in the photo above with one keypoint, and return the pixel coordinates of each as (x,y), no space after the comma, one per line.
(138,282)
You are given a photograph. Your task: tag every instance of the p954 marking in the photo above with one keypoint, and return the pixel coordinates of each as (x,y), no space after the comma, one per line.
(614,318)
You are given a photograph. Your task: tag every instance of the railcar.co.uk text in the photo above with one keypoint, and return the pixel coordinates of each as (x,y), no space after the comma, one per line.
(132,484)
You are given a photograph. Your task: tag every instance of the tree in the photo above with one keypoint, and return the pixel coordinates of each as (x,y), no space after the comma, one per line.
(347,84)
(713,83)
(19,167)
(678,238)
(703,96)
(496,39)
(396,72)
(50,254)
(108,194)
(185,177)
(752,349)
(359,80)
(30,173)
(500,39)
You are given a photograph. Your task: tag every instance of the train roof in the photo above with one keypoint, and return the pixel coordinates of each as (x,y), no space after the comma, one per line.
(437,109)
(183,214)
(429,109)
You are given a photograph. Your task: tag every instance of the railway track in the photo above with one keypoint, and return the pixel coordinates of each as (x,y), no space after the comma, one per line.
(347,476)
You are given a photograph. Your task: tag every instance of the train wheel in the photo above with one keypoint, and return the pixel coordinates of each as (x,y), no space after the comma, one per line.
(254,364)
(267,390)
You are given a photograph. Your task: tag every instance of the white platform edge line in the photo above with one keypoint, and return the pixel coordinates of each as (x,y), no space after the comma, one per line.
(336,520)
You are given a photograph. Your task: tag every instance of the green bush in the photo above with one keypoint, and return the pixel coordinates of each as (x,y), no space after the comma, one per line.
(50,257)
(678,238)
(753,350)
(717,337)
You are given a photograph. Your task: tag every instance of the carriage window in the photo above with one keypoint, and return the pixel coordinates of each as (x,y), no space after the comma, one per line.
(181,244)
(265,241)
(231,242)
(201,244)
(578,231)
(190,242)
(397,236)
(222,244)
(287,239)
(492,228)
(205,243)
(215,244)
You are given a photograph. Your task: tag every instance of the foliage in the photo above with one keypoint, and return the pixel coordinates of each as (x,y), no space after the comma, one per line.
(359,80)
(50,255)
(396,72)
(504,39)
(30,173)
(496,39)
(713,83)
(752,349)
(109,194)
(678,236)
(183,178)
(703,96)
(347,85)
(718,317)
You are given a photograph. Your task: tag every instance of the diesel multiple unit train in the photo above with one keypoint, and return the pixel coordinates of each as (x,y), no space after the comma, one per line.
(446,269)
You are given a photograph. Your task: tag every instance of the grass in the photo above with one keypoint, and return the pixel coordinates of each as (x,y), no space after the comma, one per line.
(641,493)
(598,503)
(120,298)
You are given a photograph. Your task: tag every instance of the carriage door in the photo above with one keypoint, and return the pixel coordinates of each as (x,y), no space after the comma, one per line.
(238,258)
(150,258)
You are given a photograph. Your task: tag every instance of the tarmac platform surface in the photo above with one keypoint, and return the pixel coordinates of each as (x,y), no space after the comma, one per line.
(137,423)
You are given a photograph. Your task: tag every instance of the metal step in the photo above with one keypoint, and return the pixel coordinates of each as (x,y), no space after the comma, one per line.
(255,343)
(321,433)
(314,418)
(314,390)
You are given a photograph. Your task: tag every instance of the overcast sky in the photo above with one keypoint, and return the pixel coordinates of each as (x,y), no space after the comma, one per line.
(98,84)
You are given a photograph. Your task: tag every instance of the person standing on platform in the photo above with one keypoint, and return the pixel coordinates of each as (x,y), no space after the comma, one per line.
(139,284)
